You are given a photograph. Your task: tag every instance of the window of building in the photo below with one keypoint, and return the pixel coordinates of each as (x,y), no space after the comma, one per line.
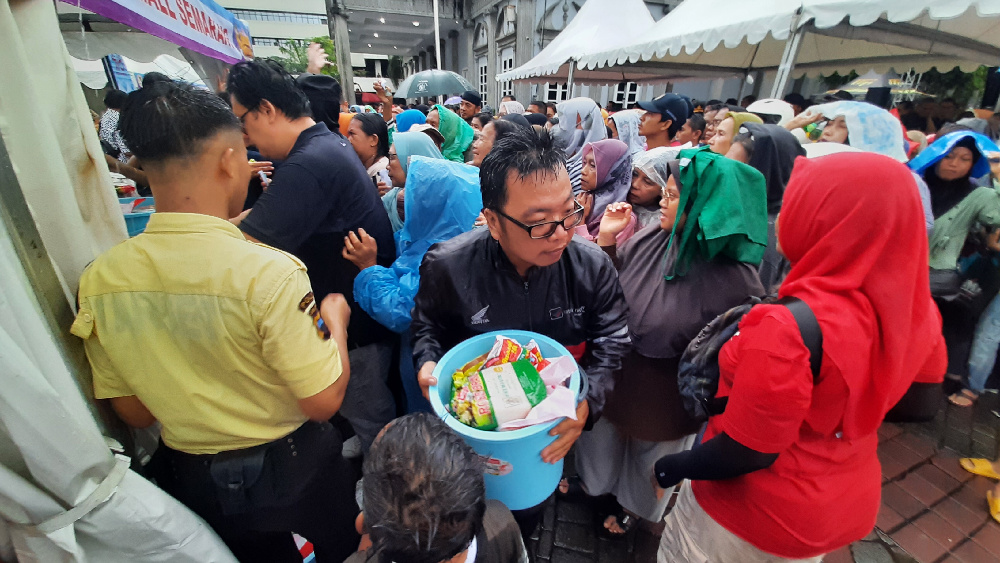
(626,94)
(284,17)
(270,41)
(483,76)
(556,92)
(506,21)
(507,63)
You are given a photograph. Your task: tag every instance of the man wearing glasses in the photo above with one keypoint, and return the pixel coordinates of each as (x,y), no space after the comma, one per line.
(526,272)
(317,197)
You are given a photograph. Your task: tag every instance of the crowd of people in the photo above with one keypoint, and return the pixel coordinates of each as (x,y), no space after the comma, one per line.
(388,235)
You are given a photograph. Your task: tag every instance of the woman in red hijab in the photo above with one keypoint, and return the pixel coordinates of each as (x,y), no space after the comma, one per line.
(789,470)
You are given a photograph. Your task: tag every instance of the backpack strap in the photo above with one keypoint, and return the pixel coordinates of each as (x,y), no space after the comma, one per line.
(812,335)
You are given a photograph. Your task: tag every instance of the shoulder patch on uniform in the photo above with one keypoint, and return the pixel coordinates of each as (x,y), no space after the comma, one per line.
(308,306)
(293,257)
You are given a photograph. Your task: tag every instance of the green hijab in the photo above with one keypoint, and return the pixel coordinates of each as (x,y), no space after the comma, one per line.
(458,135)
(726,206)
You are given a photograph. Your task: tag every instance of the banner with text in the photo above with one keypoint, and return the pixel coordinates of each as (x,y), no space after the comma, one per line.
(200,25)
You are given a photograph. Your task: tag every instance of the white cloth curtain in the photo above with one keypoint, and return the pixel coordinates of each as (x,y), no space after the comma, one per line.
(50,136)
(64,497)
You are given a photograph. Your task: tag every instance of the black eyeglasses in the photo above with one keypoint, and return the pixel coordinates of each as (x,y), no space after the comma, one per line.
(243,118)
(548,228)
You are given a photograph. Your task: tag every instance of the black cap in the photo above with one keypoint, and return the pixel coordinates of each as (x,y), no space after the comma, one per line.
(675,106)
(535,118)
(517,118)
(324,95)
(472,97)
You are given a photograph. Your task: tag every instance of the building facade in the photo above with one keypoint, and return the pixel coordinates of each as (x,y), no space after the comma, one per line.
(493,36)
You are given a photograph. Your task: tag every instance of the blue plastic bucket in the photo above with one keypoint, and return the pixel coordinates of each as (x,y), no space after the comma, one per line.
(515,473)
(135,222)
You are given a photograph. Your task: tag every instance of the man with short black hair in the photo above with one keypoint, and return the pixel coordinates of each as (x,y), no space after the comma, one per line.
(797,101)
(508,98)
(537,107)
(692,131)
(317,197)
(222,342)
(472,103)
(425,500)
(663,118)
(526,271)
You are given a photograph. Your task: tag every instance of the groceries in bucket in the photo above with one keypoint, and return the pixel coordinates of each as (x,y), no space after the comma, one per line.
(513,386)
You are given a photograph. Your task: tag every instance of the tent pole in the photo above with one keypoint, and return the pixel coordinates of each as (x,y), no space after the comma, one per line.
(788,57)
(569,79)
(437,44)
(437,36)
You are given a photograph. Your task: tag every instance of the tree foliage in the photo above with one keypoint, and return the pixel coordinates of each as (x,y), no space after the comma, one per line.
(395,70)
(836,80)
(963,86)
(295,55)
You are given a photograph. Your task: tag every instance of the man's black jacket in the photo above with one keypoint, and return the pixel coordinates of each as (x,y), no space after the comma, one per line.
(468,287)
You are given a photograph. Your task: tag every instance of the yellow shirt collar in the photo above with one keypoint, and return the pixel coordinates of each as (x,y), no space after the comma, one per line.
(191,223)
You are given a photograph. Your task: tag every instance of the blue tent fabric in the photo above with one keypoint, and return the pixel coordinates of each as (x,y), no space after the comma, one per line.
(942,146)
(442,201)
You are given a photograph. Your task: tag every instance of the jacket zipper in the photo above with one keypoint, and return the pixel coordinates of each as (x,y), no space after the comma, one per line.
(527,305)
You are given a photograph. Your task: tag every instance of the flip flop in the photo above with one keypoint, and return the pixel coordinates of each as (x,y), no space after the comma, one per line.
(964,399)
(994,504)
(979,466)
(626,521)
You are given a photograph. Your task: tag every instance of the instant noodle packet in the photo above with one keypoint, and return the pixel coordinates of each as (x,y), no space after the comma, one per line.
(497,394)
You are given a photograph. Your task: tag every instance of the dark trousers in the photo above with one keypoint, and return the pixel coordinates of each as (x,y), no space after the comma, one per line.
(304,485)
(528,519)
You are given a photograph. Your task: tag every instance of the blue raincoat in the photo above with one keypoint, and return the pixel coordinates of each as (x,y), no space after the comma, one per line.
(407,145)
(943,145)
(442,201)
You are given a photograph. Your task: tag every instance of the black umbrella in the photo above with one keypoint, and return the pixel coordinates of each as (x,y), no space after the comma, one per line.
(430,83)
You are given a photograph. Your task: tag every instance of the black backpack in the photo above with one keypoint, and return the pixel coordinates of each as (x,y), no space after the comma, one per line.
(698,375)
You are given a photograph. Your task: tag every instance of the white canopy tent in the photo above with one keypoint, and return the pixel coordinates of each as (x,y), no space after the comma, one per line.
(813,36)
(142,53)
(93,76)
(600,25)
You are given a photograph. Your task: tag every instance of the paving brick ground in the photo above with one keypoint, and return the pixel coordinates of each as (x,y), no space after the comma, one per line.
(932,510)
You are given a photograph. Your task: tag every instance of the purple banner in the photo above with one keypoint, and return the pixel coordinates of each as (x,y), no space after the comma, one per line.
(200,25)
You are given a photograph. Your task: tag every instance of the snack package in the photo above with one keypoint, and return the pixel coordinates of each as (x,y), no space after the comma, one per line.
(505,351)
(533,353)
(497,394)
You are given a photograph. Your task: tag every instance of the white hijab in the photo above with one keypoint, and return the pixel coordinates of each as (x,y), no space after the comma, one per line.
(627,123)
(580,123)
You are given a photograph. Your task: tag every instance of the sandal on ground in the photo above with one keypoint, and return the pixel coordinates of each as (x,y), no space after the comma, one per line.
(994,504)
(979,466)
(964,398)
(574,487)
(623,519)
